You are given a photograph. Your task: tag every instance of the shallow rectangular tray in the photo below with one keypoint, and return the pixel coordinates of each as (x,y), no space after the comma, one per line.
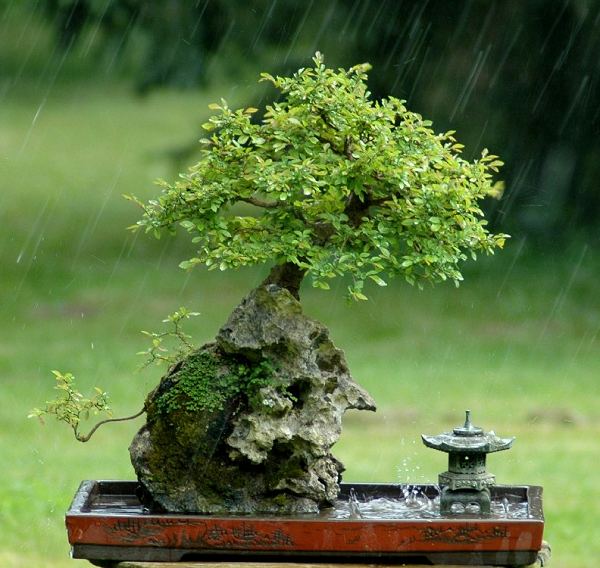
(107,523)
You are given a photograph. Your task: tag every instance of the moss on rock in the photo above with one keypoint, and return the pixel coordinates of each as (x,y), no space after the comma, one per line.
(206,381)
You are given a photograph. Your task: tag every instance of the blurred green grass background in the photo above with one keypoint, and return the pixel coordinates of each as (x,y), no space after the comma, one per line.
(518,343)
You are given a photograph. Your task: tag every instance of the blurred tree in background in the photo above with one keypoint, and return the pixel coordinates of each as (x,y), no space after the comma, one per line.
(518,76)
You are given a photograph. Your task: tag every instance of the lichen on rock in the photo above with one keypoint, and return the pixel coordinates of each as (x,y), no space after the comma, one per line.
(252,430)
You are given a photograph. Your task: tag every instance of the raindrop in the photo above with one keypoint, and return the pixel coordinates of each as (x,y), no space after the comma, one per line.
(465,94)
(263,23)
(38,112)
(417,79)
(544,88)
(297,32)
(351,18)
(374,19)
(518,184)
(504,57)
(553,27)
(484,29)
(96,28)
(199,19)
(574,103)
(91,226)
(119,47)
(516,257)
(325,24)
(560,299)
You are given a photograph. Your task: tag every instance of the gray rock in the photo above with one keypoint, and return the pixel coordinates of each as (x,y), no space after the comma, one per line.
(268,450)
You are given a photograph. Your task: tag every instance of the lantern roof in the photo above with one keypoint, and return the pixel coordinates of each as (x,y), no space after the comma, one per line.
(467,439)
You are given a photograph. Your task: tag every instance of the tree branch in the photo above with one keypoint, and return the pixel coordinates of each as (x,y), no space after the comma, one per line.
(85,438)
(256,201)
(326,119)
(357,210)
(348,148)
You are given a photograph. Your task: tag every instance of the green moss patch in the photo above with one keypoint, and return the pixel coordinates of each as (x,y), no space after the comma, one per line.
(204,382)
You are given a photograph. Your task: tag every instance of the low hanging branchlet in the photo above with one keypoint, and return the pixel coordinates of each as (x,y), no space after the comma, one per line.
(73,408)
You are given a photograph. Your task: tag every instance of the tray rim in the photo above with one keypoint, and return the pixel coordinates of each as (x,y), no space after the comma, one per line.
(87,489)
(104,536)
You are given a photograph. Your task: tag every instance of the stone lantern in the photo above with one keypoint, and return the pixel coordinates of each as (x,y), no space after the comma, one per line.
(465,487)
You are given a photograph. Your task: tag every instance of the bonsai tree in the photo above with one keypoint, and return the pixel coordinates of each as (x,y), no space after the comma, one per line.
(327,183)
(334,184)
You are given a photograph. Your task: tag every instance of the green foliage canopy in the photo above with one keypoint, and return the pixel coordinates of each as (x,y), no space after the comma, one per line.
(335,183)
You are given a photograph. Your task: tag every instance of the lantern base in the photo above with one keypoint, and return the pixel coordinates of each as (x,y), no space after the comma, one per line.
(460,501)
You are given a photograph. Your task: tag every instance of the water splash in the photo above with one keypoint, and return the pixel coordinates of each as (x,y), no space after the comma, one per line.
(353,505)
(412,502)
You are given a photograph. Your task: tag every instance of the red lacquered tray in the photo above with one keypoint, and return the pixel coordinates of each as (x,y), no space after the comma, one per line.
(107,523)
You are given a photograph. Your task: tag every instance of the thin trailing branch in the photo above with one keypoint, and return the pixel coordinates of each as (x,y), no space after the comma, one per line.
(72,406)
(85,438)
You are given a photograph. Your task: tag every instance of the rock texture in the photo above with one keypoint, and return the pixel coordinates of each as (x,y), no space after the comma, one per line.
(266,448)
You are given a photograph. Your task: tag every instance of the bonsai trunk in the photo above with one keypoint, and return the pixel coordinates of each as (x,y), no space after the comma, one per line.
(287,275)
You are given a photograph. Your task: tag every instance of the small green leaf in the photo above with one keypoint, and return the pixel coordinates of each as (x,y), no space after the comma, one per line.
(378,280)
